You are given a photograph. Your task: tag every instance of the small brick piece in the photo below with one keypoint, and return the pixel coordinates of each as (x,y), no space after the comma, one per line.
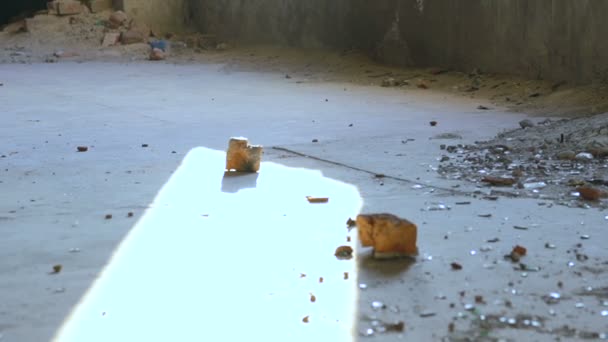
(100,5)
(589,193)
(68,7)
(157,55)
(391,236)
(242,157)
(522,251)
(110,39)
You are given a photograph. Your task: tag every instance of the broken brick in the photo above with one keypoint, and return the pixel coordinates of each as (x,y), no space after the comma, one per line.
(110,39)
(68,7)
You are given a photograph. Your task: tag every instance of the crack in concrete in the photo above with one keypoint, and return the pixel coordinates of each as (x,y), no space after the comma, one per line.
(452,192)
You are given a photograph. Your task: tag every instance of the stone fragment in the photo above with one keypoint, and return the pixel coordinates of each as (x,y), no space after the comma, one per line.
(110,39)
(344,253)
(99,5)
(68,7)
(117,19)
(589,193)
(389,235)
(584,156)
(566,155)
(499,181)
(526,123)
(157,55)
(242,157)
(16,27)
(132,37)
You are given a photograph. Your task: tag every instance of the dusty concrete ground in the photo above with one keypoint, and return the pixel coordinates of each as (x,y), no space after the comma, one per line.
(54,200)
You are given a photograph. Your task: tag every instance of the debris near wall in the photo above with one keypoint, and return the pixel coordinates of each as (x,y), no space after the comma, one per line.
(71,30)
(560,160)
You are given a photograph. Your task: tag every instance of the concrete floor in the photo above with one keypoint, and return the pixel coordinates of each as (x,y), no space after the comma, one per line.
(53,200)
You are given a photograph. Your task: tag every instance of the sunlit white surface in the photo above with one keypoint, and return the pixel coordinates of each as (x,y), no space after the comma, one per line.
(220,259)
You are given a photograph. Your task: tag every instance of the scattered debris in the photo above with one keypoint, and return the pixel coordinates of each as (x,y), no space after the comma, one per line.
(350,223)
(447,136)
(395,327)
(520,227)
(108,216)
(16,27)
(433,123)
(110,39)
(550,246)
(312,199)
(498,181)
(320,279)
(57,268)
(306,319)
(584,156)
(589,193)
(517,253)
(389,235)
(313,298)
(130,214)
(345,275)
(157,55)
(82,148)
(315,140)
(344,253)
(377,305)
(481,107)
(463,203)
(526,123)
(456,266)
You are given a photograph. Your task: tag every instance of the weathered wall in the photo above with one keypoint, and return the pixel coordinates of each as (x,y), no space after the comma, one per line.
(309,23)
(162,16)
(549,39)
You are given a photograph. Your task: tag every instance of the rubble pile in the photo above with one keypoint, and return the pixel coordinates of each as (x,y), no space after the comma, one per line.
(562,160)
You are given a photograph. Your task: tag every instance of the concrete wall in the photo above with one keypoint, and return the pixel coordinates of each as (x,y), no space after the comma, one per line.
(310,23)
(162,16)
(549,39)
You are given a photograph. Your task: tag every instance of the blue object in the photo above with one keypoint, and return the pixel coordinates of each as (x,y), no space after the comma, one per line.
(159,44)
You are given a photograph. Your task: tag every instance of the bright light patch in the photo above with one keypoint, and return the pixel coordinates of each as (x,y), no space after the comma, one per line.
(234,258)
